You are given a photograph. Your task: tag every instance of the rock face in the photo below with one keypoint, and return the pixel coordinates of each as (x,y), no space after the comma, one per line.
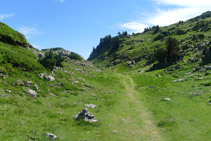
(32,93)
(51,136)
(86,116)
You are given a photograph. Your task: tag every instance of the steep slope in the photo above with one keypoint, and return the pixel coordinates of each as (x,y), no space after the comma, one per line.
(145,49)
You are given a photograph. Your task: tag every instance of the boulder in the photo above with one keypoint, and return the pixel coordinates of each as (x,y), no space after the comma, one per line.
(32,93)
(85,115)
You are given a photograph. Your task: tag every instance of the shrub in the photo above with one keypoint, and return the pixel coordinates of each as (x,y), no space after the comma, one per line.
(159,37)
(75,56)
(51,60)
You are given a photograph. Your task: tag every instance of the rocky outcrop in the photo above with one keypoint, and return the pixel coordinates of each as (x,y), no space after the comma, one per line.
(85,115)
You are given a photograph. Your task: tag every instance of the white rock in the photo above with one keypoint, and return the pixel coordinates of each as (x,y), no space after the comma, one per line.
(36,87)
(50,78)
(167,99)
(42,75)
(32,93)
(51,136)
(179,80)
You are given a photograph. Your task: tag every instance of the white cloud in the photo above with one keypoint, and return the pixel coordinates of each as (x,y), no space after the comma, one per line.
(183,10)
(29,31)
(134,26)
(186,3)
(4,16)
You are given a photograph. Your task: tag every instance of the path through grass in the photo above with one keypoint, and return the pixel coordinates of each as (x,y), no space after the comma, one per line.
(132,120)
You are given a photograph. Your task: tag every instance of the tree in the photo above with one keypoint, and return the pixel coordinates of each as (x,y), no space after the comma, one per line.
(51,60)
(173,49)
(157,29)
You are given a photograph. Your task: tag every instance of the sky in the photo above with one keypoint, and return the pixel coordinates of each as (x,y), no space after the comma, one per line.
(78,25)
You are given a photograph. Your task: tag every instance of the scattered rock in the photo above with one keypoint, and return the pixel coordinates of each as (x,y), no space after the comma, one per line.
(51,136)
(29,83)
(141,71)
(8,91)
(86,116)
(52,94)
(42,75)
(94,95)
(201,78)
(179,80)
(90,106)
(50,78)
(51,85)
(32,93)
(167,99)
(4,76)
(19,83)
(36,87)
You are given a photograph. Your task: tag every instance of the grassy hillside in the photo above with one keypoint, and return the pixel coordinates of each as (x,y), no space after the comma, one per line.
(138,93)
(193,37)
(176,93)
(10,36)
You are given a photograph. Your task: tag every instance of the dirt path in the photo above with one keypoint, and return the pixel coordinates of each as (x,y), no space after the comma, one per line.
(133,119)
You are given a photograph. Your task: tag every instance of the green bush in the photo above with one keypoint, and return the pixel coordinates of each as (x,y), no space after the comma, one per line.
(51,60)
(75,56)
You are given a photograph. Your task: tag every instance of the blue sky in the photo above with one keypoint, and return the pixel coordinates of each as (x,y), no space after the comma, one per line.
(78,25)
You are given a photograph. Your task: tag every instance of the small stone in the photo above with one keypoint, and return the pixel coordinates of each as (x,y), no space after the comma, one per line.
(94,95)
(8,91)
(179,80)
(50,78)
(51,136)
(90,106)
(29,83)
(42,75)
(36,87)
(4,76)
(167,99)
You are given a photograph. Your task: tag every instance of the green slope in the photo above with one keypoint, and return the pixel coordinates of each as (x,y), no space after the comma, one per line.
(129,96)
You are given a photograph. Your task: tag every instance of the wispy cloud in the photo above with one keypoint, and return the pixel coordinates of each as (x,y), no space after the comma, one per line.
(184,10)
(133,26)
(29,31)
(4,16)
